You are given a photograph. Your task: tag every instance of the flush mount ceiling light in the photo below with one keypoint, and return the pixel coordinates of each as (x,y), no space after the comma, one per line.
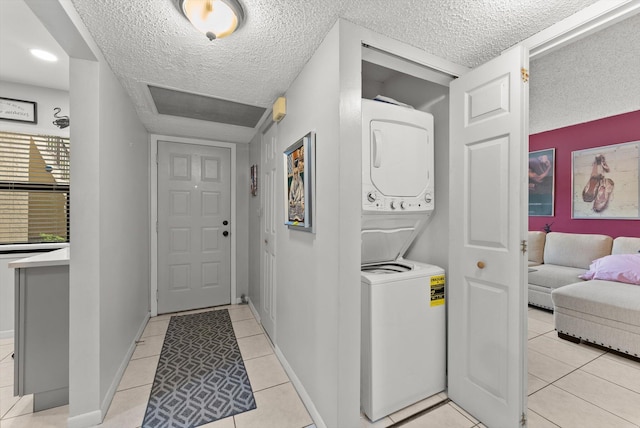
(43,55)
(215,18)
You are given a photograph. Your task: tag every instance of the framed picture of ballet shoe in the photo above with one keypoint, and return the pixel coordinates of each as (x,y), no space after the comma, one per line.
(605,182)
(541,182)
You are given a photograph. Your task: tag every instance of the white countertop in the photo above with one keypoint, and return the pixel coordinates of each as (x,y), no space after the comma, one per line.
(52,258)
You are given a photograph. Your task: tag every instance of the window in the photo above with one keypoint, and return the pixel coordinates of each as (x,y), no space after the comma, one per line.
(34,188)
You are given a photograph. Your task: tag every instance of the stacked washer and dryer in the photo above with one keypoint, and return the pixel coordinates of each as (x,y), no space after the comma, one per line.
(403,312)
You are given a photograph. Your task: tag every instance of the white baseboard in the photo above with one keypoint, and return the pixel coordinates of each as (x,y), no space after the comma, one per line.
(6,334)
(123,366)
(304,396)
(96,417)
(254,311)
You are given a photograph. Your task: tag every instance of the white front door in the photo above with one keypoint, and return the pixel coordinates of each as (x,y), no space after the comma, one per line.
(486,287)
(269,162)
(194,210)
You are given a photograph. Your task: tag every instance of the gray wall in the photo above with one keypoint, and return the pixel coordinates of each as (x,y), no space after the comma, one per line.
(109,278)
(47,100)
(589,79)
(432,243)
(318,275)
(307,264)
(109,269)
(123,225)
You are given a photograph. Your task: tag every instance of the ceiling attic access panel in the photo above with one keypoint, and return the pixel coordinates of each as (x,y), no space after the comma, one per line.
(403,80)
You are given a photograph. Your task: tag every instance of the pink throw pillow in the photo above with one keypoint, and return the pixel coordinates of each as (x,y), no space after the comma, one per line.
(618,267)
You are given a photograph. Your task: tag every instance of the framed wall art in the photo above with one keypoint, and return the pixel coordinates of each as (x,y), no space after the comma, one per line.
(18,110)
(541,182)
(605,182)
(254,180)
(298,183)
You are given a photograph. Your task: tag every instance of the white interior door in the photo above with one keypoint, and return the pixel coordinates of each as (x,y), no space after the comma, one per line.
(194,210)
(269,162)
(486,289)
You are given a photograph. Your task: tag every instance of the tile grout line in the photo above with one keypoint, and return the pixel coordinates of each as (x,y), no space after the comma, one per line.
(476,422)
(587,401)
(579,398)
(4,418)
(538,335)
(251,335)
(594,405)
(134,387)
(626,367)
(548,420)
(419,414)
(273,386)
(564,362)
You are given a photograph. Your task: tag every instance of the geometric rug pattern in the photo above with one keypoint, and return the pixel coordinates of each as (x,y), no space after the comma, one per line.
(200,377)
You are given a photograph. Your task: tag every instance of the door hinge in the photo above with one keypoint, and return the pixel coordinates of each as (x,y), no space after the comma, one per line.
(523,419)
(525,74)
(156,226)
(157,158)
(156,295)
(523,246)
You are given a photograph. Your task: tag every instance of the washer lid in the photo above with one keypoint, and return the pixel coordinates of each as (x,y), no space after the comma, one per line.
(417,270)
(386,268)
(385,245)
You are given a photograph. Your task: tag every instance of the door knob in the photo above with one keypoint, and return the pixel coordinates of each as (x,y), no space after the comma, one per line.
(225,222)
(225,233)
(480,265)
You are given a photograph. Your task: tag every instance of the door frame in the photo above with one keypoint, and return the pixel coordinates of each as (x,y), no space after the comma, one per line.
(581,24)
(264,129)
(153,211)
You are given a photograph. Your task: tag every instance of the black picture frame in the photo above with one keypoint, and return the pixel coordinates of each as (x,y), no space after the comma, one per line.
(18,110)
(542,182)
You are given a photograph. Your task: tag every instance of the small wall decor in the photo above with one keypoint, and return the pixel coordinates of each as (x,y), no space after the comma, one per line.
(298,183)
(254,180)
(605,182)
(61,121)
(541,182)
(18,110)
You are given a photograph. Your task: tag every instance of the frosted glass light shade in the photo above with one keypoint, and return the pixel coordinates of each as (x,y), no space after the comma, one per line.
(215,18)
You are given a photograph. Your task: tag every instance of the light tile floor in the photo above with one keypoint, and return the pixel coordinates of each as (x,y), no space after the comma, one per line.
(570,385)
(577,385)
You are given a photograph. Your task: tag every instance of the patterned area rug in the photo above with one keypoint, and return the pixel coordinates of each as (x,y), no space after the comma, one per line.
(200,376)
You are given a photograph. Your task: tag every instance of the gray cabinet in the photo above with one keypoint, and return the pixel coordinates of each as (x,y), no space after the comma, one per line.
(42,335)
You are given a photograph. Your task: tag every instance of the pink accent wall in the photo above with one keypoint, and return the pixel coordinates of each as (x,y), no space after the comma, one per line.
(602,132)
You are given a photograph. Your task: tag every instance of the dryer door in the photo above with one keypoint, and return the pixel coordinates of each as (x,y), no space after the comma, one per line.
(399,158)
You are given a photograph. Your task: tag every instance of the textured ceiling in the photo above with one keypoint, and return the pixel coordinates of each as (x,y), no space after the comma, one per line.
(150,42)
(20,31)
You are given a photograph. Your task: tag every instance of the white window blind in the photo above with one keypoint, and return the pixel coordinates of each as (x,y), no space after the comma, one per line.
(34,188)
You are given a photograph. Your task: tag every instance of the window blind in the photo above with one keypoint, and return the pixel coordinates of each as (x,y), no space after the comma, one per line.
(34,188)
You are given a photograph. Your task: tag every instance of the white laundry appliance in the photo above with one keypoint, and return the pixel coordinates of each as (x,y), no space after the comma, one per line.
(403,347)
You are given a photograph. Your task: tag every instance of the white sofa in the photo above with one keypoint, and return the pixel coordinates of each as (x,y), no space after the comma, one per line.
(556,259)
(606,313)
